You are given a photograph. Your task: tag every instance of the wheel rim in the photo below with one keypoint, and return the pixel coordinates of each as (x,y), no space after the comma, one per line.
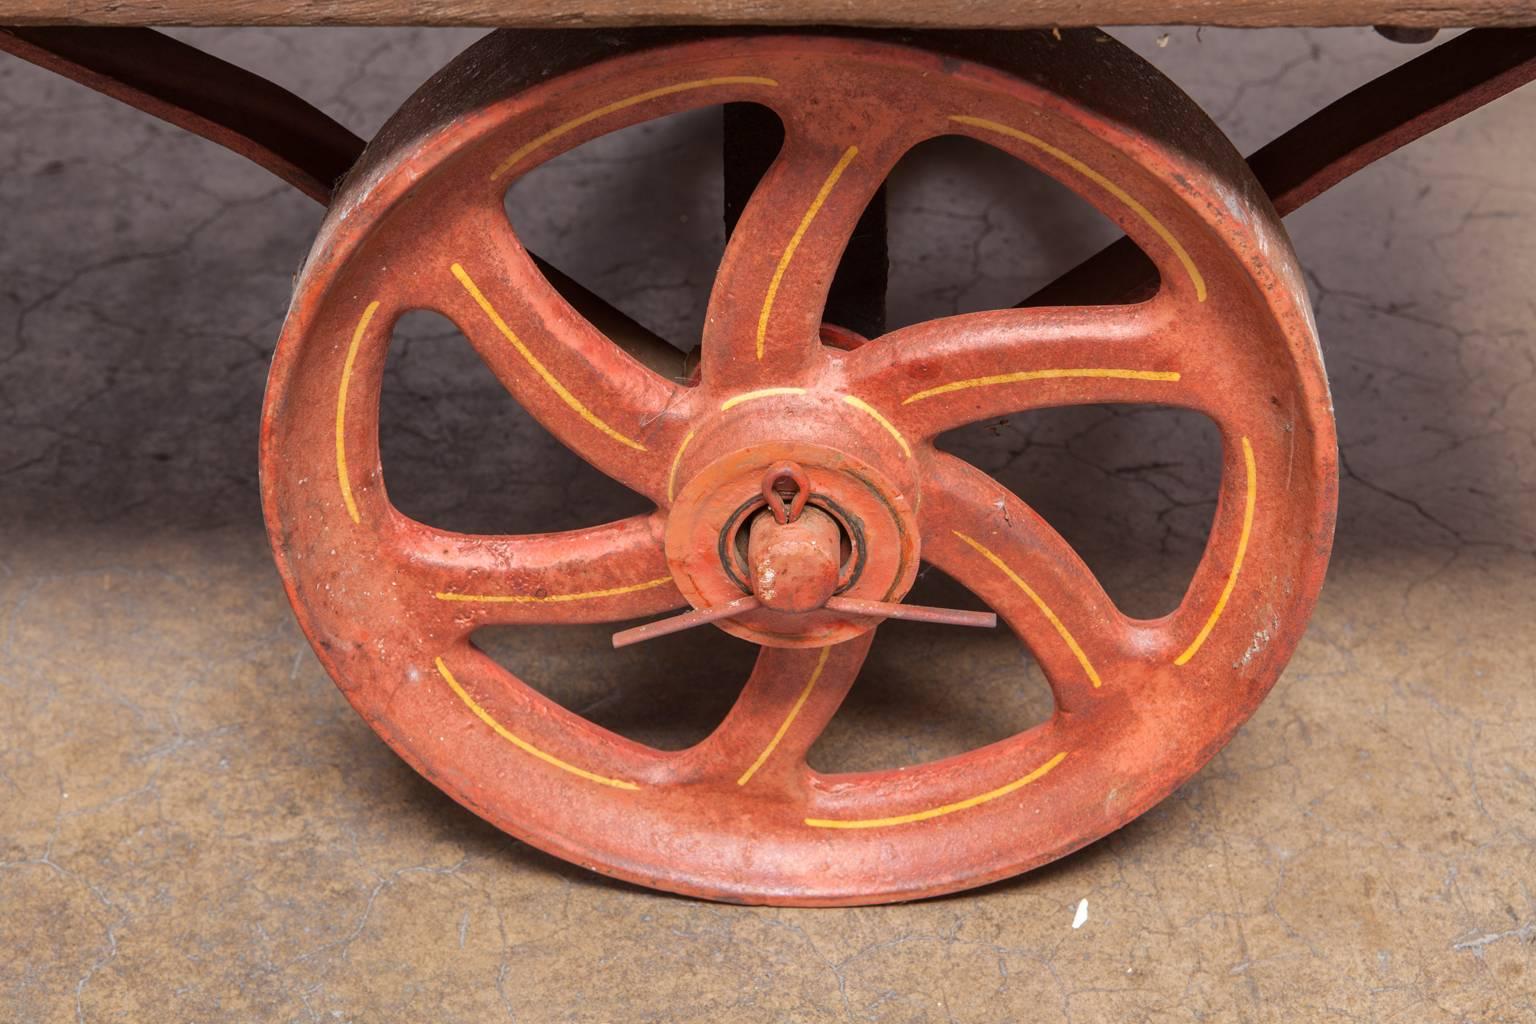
(390,603)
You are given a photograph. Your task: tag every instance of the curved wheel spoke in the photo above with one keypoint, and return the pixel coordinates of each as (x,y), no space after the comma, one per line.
(602,574)
(589,392)
(978,532)
(945,373)
(766,306)
(790,697)
(499,720)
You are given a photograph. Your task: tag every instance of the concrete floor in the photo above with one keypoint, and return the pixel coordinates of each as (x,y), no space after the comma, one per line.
(195,827)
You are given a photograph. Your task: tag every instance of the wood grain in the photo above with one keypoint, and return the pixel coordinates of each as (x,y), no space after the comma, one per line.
(905,13)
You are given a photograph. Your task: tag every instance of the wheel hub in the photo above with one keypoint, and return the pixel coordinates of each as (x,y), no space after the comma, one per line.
(796,565)
(717,523)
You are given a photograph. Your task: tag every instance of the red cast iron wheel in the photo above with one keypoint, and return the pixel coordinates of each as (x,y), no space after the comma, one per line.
(390,603)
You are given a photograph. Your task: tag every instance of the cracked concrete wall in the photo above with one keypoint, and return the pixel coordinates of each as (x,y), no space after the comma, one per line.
(194,826)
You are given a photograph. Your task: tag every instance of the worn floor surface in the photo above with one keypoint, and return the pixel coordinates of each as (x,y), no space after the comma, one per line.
(195,827)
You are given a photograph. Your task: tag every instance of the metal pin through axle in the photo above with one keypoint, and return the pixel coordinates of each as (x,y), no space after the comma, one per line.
(846,605)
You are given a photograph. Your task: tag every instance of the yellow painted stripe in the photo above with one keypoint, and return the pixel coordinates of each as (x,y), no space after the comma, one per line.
(341,411)
(1104,183)
(1165,376)
(794,243)
(789,719)
(538,367)
(890,428)
(629,101)
(520,743)
(752,396)
(1045,609)
(1237,563)
(935,812)
(677,461)
(587,595)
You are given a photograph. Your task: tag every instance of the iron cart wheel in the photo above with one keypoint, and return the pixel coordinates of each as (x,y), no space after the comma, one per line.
(777,420)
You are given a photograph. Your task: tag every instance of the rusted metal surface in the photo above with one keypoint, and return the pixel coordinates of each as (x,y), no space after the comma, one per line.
(240,111)
(1348,135)
(390,604)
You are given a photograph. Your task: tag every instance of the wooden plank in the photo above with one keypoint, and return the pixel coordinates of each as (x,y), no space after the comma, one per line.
(903,13)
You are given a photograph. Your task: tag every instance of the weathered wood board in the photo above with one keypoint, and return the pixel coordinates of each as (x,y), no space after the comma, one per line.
(910,13)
